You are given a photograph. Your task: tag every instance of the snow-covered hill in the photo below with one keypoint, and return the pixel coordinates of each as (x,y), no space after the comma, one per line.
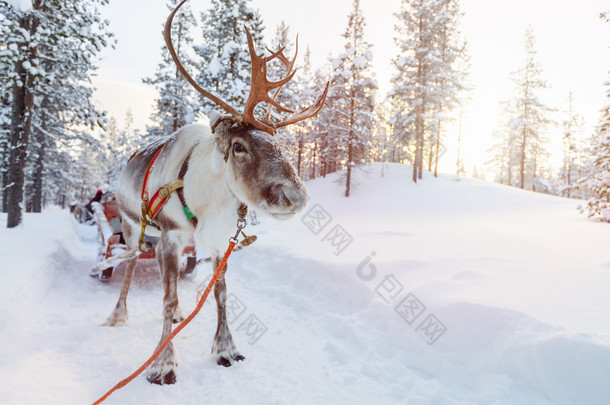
(441,292)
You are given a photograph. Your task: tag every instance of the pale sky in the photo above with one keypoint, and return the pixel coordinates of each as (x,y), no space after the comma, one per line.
(572,43)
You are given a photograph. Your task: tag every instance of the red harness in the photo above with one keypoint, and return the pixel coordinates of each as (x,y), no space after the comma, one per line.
(145,201)
(151,207)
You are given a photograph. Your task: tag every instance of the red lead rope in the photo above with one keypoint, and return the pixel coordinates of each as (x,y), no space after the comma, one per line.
(181,326)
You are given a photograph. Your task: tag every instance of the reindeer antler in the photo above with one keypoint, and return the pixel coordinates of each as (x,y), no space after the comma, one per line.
(289,65)
(259,89)
(261,86)
(307,112)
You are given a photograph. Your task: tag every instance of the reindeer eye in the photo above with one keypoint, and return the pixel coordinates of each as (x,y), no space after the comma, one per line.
(238,148)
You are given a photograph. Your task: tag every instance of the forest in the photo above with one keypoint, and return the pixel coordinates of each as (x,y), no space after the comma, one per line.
(57,146)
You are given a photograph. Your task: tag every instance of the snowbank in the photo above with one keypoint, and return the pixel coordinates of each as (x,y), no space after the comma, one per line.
(444,292)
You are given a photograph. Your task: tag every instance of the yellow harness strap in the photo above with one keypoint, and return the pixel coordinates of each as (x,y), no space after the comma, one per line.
(160,198)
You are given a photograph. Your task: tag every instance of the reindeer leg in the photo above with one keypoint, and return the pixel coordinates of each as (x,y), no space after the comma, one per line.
(223,349)
(163,369)
(177,317)
(119,315)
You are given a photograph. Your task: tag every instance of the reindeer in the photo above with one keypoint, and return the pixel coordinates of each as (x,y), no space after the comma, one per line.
(224,169)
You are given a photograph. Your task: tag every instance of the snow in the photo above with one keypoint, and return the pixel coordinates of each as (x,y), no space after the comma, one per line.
(337,62)
(401,61)
(21,5)
(345,296)
(229,49)
(101,220)
(215,66)
(360,62)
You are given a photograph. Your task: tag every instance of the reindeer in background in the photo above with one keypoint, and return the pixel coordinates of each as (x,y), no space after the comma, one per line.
(221,171)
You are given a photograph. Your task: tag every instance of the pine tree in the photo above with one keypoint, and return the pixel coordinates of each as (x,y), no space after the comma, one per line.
(225,60)
(22,43)
(530,119)
(305,95)
(427,80)
(520,155)
(385,147)
(52,50)
(288,96)
(454,66)
(352,98)
(569,171)
(598,181)
(119,145)
(6,67)
(505,151)
(276,70)
(174,108)
(332,121)
(322,152)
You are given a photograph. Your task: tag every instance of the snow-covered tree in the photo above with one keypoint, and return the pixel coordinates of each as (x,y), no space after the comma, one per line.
(385,147)
(120,144)
(305,95)
(427,80)
(51,49)
(20,63)
(572,129)
(276,70)
(352,98)
(598,181)
(453,71)
(174,107)
(225,60)
(288,96)
(326,121)
(505,151)
(322,157)
(520,155)
(531,119)
(6,67)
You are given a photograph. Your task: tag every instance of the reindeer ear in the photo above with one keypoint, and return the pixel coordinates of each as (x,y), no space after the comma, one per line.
(213,116)
(221,130)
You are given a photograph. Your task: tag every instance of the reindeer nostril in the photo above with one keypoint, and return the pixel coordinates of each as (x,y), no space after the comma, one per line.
(283,198)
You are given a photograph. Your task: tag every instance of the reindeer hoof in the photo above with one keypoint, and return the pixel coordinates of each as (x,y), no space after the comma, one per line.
(178,317)
(117,318)
(159,379)
(225,359)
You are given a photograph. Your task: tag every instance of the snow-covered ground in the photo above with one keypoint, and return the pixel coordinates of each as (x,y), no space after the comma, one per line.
(444,292)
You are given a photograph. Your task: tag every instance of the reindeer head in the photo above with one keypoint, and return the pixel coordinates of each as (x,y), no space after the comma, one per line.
(257,170)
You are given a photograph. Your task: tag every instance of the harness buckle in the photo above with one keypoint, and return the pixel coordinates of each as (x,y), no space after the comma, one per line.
(163,192)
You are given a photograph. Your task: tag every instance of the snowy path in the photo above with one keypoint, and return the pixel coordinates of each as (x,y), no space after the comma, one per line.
(517,281)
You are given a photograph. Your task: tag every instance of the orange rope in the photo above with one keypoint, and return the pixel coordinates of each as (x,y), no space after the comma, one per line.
(181,326)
